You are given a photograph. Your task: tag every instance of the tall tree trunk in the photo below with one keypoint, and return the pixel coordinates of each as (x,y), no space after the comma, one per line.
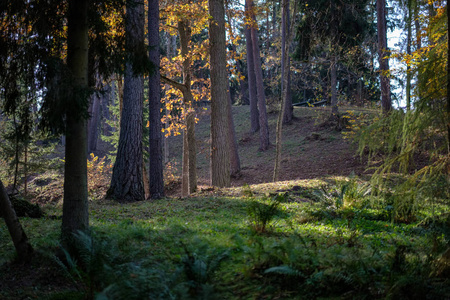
(75,206)
(94,113)
(156,174)
(251,78)
(19,238)
(408,51)
(386,103)
(220,105)
(285,24)
(127,182)
(263,123)
(190,154)
(287,36)
(235,161)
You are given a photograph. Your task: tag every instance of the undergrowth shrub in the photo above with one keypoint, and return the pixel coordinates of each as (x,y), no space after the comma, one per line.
(99,176)
(262,212)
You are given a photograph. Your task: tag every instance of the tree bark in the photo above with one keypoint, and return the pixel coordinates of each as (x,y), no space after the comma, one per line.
(285,24)
(251,78)
(235,161)
(220,105)
(263,123)
(382,59)
(19,238)
(127,182)
(75,206)
(287,36)
(94,120)
(156,169)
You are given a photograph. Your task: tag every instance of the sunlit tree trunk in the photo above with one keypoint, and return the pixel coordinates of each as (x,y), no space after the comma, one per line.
(251,75)
(156,175)
(382,57)
(220,105)
(75,206)
(260,94)
(19,238)
(287,36)
(408,51)
(127,180)
(285,23)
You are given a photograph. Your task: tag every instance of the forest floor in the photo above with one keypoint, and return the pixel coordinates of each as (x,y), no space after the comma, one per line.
(311,147)
(326,239)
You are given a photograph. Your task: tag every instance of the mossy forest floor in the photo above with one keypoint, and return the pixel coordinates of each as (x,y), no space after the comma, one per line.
(318,234)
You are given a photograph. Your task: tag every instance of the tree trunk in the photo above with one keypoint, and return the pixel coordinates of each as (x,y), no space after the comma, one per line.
(285,24)
(94,113)
(156,174)
(235,161)
(19,238)
(408,51)
(75,206)
(220,105)
(287,36)
(251,78)
(189,155)
(263,123)
(126,181)
(382,59)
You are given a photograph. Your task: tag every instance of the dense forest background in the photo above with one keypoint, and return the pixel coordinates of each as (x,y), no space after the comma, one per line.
(224,149)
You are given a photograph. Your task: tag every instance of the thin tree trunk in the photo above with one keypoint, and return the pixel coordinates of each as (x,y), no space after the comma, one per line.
(127,181)
(192,150)
(285,24)
(75,206)
(235,161)
(156,169)
(264,127)
(408,51)
(220,105)
(18,236)
(189,155)
(251,78)
(287,36)
(94,112)
(386,103)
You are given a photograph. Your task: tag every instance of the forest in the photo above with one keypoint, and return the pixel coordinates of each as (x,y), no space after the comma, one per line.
(224,149)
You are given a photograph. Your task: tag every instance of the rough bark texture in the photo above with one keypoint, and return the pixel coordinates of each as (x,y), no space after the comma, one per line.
(220,105)
(94,120)
(189,177)
(75,206)
(19,238)
(156,175)
(235,161)
(382,53)
(127,182)
(251,78)
(285,24)
(263,123)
